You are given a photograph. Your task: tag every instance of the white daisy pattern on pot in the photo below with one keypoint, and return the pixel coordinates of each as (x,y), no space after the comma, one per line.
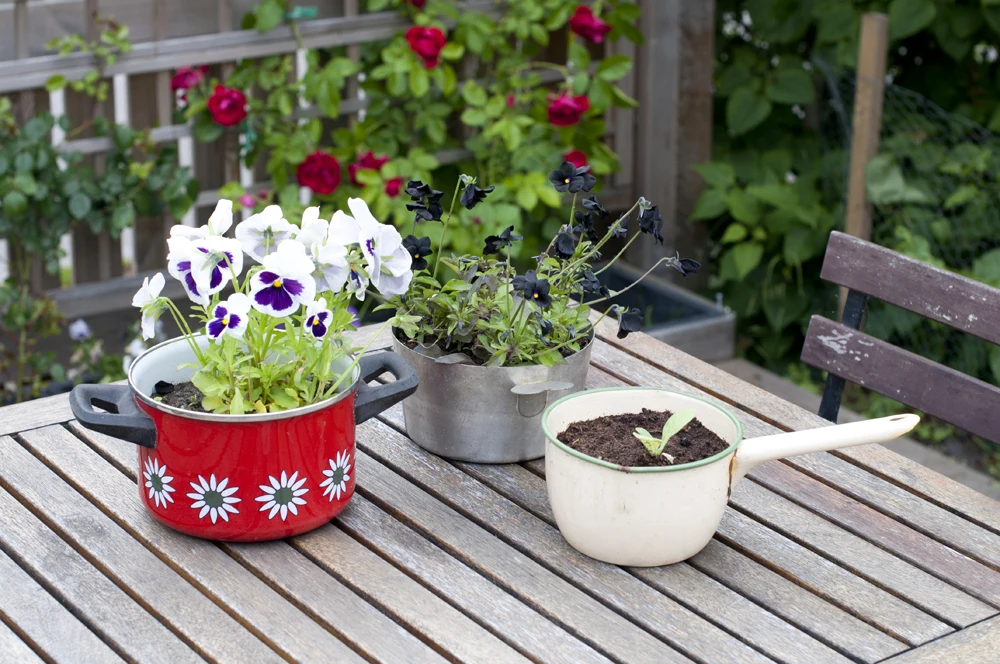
(158,482)
(337,476)
(283,495)
(214,499)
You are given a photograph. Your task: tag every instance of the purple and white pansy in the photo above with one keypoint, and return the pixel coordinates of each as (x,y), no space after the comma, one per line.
(204,265)
(285,282)
(220,222)
(388,261)
(229,317)
(318,318)
(148,300)
(262,233)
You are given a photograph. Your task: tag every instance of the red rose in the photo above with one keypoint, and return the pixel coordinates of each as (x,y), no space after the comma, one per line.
(320,172)
(590,27)
(227,106)
(565,111)
(393,186)
(511,101)
(576,157)
(367,160)
(426,43)
(186,78)
(418,4)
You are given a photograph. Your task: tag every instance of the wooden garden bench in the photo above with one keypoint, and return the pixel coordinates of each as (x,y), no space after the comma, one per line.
(868,270)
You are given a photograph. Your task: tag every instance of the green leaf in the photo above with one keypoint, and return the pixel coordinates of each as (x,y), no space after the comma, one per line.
(123,137)
(4,164)
(746,256)
(621,99)
(269,15)
(614,67)
(79,205)
(746,108)
(652,444)
(420,82)
(986,268)
(995,363)
(57,82)
(122,217)
(908,17)
(734,233)
(527,198)
(474,117)
(452,51)
(961,196)
(579,57)
(743,207)
(711,204)
(24,162)
(780,196)
(798,245)
(790,86)
(716,174)
(209,385)
(473,94)
(14,204)
(886,185)
(677,422)
(207,132)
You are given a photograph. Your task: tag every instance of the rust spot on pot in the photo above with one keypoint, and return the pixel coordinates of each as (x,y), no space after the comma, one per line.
(732,468)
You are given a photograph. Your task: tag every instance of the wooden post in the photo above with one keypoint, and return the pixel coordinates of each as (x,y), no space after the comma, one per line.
(673,128)
(867,125)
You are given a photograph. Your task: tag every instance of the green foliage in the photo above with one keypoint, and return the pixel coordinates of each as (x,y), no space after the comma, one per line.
(498,108)
(655,445)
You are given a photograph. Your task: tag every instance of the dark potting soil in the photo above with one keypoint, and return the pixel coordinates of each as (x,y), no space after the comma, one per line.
(184,396)
(610,439)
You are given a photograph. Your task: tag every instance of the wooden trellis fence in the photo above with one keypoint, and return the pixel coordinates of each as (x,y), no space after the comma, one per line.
(101,282)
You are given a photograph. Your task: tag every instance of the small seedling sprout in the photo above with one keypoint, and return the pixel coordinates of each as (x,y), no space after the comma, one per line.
(654,445)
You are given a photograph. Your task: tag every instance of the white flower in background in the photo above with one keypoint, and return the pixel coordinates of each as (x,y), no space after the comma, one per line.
(344,230)
(229,317)
(134,349)
(213,498)
(262,233)
(220,222)
(158,483)
(282,496)
(313,230)
(213,261)
(318,318)
(387,259)
(79,330)
(146,299)
(337,476)
(285,282)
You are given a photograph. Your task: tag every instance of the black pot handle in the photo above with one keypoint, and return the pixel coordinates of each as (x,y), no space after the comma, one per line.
(372,400)
(123,420)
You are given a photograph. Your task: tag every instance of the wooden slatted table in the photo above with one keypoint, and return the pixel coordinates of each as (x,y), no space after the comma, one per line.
(855,556)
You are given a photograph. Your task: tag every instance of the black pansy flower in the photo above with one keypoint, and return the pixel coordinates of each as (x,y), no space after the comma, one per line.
(419,249)
(533,288)
(416,189)
(687,266)
(565,244)
(621,232)
(572,179)
(494,243)
(473,195)
(593,205)
(545,327)
(585,225)
(629,322)
(591,284)
(651,222)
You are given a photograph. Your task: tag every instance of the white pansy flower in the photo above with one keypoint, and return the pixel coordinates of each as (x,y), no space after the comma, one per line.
(261,234)
(79,330)
(387,259)
(313,230)
(146,299)
(213,498)
(282,496)
(337,476)
(318,318)
(213,262)
(220,222)
(285,282)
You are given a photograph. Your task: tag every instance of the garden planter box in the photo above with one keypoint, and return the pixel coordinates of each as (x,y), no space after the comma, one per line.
(680,318)
(240,477)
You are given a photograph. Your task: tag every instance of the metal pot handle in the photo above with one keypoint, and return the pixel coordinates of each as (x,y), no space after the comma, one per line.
(372,400)
(123,420)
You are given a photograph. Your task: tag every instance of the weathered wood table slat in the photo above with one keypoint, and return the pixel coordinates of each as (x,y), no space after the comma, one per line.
(851,556)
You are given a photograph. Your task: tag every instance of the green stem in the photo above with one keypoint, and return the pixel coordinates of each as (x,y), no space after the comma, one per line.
(592,328)
(444,228)
(646,274)
(185,329)
(357,358)
(568,270)
(619,254)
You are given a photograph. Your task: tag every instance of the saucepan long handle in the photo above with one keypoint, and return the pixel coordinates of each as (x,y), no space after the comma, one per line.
(754,451)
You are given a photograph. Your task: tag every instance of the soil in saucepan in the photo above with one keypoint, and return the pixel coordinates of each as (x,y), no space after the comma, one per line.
(184,396)
(610,439)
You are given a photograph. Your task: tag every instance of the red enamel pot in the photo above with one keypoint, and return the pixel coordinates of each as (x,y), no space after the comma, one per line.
(240,478)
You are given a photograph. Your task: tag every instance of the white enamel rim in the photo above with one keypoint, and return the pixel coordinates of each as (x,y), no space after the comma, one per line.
(641,469)
(230,419)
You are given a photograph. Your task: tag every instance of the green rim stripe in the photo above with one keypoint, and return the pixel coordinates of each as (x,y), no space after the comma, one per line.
(640,469)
